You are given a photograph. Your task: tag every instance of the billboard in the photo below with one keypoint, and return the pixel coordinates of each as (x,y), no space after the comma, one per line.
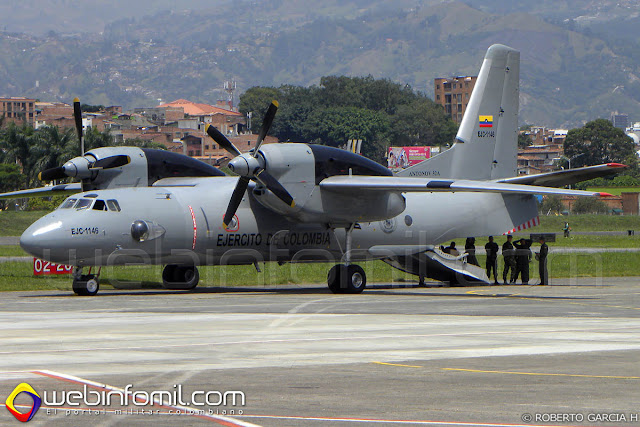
(403,157)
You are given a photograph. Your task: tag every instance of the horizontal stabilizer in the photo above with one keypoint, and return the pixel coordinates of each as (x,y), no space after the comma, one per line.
(357,184)
(567,177)
(54,190)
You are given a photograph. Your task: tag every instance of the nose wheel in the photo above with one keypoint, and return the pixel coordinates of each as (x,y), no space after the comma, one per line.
(85,284)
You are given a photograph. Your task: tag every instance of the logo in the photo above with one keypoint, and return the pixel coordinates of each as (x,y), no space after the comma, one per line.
(234,225)
(388,225)
(23,388)
(485,121)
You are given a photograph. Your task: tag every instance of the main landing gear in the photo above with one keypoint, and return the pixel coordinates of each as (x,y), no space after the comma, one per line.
(347,278)
(180,277)
(85,284)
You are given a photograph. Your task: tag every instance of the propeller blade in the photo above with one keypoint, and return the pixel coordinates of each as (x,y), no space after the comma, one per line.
(275,187)
(236,198)
(52,174)
(222,140)
(112,162)
(266,125)
(77,115)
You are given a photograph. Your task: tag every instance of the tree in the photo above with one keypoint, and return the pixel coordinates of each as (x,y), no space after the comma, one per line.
(11,179)
(379,112)
(422,122)
(256,100)
(52,147)
(586,205)
(15,143)
(335,126)
(551,203)
(598,142)
(524,140)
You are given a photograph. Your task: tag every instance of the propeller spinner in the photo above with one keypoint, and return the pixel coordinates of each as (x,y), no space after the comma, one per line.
(250,166)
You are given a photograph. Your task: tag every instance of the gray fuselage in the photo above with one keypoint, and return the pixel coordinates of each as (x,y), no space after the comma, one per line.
(184,226)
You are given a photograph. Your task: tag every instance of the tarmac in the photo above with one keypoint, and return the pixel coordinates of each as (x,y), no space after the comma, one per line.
(565,354)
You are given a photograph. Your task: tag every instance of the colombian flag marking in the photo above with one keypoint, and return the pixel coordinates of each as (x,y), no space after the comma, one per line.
(485,121)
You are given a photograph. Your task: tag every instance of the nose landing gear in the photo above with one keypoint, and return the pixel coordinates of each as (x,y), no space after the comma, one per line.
(85,284)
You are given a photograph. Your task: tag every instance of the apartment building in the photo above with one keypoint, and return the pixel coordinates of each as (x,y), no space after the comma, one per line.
(18,110)
(454,94)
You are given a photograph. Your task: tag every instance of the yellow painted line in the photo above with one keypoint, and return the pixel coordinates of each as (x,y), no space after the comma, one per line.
(397,364)
(519,296)
(543,374)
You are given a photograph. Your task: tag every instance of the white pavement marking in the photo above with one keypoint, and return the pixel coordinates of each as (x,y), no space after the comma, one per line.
(88,343)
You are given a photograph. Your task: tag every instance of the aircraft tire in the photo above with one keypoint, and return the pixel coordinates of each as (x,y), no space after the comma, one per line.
(333,278)
(180,277)
(87,285)
(343,279)
(356,279)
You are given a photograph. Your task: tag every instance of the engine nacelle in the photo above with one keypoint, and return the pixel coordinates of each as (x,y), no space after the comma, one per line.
(301,167)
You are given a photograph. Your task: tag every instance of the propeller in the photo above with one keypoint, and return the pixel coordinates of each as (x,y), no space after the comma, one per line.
(52,174)
(249,166)
(77,115)
(82,167)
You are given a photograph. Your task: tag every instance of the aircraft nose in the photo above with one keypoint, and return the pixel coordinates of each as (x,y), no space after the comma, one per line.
(41,237)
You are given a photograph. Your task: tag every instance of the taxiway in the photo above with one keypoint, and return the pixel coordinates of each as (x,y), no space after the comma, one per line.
(390,356)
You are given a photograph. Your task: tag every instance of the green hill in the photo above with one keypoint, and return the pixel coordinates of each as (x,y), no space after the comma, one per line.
(570,72)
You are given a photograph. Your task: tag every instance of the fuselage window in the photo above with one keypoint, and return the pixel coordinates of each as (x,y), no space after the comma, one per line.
(67,204)
(83,204)
(99,205)
(113,205)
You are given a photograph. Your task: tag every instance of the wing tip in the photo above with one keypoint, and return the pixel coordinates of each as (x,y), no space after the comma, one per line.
(603,194)
(616,165)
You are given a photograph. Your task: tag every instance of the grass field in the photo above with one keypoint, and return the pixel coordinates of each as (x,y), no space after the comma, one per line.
(17,276)
(553,223)
(13,223)
(616,191)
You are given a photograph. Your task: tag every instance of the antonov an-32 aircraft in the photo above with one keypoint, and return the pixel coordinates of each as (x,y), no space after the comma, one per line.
(297,202)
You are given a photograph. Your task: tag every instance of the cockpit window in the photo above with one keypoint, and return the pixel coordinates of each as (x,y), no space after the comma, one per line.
(113,205)
(99,205)
(68,204)
(83,204)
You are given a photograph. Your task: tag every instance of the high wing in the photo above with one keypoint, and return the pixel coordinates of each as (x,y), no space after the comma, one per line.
(358,184)
(566,177)
(53,190)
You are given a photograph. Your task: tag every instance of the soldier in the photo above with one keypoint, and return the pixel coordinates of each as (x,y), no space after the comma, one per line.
(542,258)
(492,259)
(509,255)
(523,257)
(470,249)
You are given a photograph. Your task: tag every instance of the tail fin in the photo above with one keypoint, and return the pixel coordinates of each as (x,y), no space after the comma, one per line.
(486,144)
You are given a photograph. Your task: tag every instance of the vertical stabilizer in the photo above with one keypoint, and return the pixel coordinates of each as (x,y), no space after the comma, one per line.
(486,144)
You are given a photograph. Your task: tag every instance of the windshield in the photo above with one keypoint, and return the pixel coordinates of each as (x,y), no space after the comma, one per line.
(83,204)
(68,204)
